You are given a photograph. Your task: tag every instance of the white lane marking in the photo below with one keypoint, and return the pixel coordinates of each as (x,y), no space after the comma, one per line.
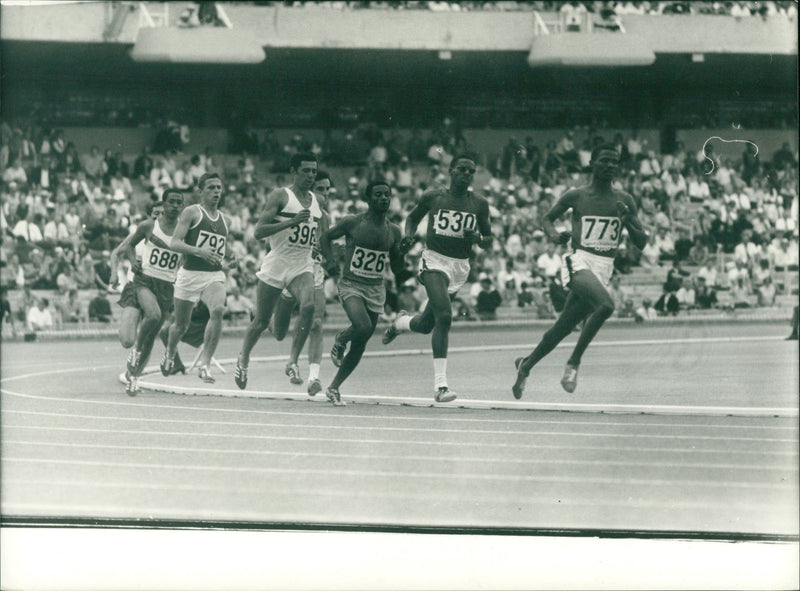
(406,352)
(432,475)
(359,496)
(532,422)
(151,432)
(297,455)
(475,404)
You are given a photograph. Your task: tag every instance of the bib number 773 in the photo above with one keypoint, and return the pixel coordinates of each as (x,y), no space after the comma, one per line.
(600,232)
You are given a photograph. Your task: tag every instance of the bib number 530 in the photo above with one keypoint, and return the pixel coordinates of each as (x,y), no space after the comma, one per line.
(453,223)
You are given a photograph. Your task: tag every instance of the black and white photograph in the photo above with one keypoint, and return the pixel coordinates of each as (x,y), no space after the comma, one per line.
(399,295)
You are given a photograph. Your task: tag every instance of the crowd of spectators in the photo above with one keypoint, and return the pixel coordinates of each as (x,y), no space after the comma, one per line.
(723,231)
(739,8)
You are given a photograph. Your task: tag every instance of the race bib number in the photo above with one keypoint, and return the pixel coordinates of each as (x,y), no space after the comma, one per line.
(368,263)
(212,242)
(163,259)
(303,235)
(600,232)
(453,223)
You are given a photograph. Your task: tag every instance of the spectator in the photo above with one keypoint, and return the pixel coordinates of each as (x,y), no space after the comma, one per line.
(39,316)
(705,296)
(121,185)
(143,165)
(549,263)
(100,308)
(646,312)
(665,244)
(488,299)
(525,297)
(618,294)
(44,175)
(15,173)
(237,305)
(69,307)
(686,295)
(627,310)
(698,253)
(94,164)
(766,292)
(6,314)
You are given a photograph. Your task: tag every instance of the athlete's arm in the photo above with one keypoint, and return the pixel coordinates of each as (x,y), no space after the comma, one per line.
(419,212)
(483,235)
(626,209)
(126,248)
(560,207)
(397,257)
(188,217)
(341,229)
(276,201)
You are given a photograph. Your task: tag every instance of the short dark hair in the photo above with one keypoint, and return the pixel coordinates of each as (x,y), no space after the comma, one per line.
(605,147)
(372,185)
(207,176)
(302,157)
(322,175)
(462,156)
(167,192)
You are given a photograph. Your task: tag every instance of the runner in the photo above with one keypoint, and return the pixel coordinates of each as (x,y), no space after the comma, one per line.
(457,220)
(600,213)
(371,242)
(288,264)
(282,316)
(147,299)
(201,236)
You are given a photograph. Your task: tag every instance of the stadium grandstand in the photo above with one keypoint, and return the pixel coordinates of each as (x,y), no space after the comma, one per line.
(105,105)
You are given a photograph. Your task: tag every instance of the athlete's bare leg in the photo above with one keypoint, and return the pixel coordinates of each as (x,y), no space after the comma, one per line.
(267,298)
(214,298)
(362,325)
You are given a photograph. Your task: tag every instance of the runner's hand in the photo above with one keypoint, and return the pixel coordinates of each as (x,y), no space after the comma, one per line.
(563,237)
(473,235)
(301,216)
(406,244)
(623,211)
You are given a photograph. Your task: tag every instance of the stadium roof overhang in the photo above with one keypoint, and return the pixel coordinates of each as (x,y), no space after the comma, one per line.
(201,45)
(580,49)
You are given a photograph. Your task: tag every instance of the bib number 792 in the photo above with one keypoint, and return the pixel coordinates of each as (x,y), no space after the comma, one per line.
(213,242)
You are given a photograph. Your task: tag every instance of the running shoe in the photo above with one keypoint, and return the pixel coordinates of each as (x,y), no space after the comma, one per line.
(167,363)
(314,387)
(337,351)
(570,380)
(445,394)
(206,376)
(334,397)
(391,333)
(240,375)
(519,386)
(132,385)
(293,371)
(134,357)
(177,365)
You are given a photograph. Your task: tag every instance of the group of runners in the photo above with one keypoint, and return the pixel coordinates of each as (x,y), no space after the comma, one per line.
(184,255)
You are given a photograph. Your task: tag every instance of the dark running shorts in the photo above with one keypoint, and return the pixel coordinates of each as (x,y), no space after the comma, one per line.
(163,290)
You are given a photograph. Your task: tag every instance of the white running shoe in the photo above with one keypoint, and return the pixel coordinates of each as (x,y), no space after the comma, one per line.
(570,380)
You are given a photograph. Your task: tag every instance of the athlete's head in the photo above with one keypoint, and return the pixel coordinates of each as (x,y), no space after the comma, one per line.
(172,202)
(210,187)
(605,161)
(304,168)
(155,210)
(378,195)
(322,186)
(462,169)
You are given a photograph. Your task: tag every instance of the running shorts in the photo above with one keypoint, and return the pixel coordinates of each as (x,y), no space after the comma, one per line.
(279,273)
(161,289)
(190,285)
(374,296)
(602,267)
(456,270)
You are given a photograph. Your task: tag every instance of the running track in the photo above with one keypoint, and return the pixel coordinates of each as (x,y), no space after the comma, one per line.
(685,430)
